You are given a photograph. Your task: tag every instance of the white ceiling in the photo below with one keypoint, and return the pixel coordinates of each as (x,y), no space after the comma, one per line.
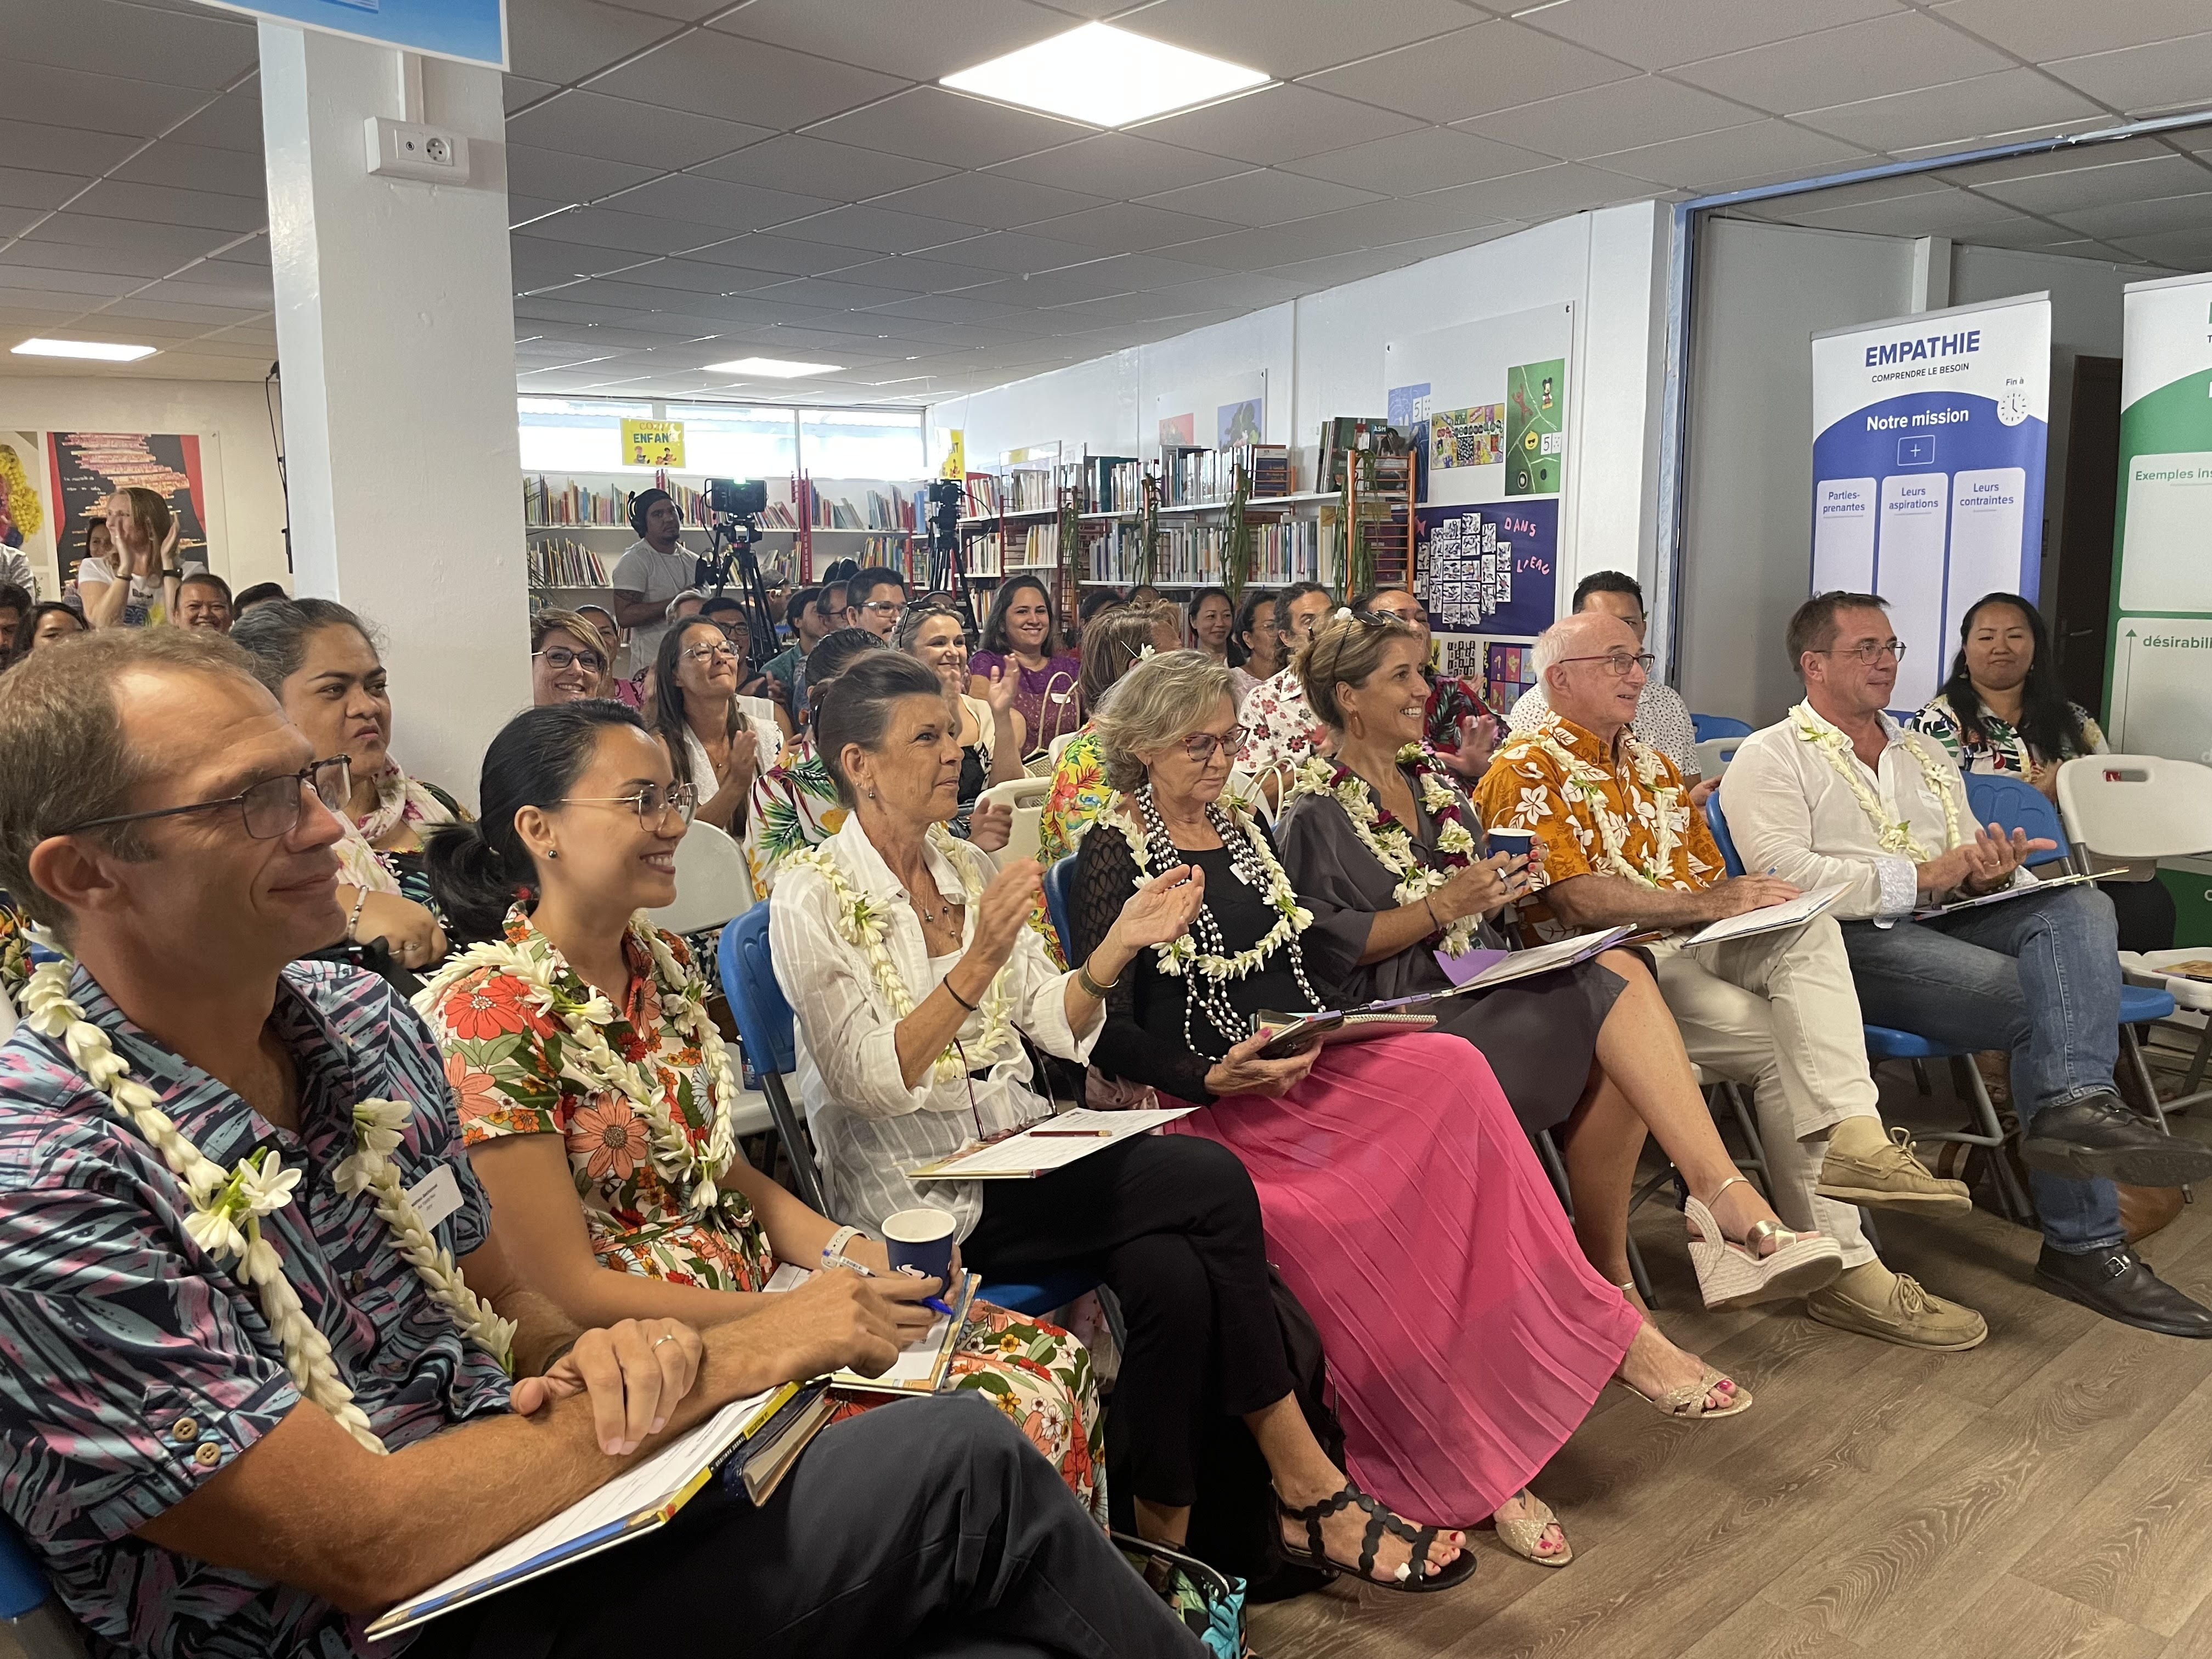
(694,180)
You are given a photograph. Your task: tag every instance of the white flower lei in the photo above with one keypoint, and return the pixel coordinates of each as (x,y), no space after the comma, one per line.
(860,925)
(1392,845)
(1181,955)
(587,1059)
(227,1206)
(1895,838)
(1583,783)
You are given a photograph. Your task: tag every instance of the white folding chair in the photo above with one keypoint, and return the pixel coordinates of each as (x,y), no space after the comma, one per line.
(1714,755)
(1026,797)
(2141,808)
(713,884)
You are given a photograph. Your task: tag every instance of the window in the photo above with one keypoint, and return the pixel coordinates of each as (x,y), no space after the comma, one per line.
(729,441)
(726,440)
(575,435)
(861,443)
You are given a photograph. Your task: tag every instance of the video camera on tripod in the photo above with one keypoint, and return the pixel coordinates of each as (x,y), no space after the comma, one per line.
(733,512)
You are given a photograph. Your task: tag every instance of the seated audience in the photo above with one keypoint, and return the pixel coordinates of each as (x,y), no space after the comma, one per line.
(803,612)
(916,981)
(990,726)
(1382,849)
(1491,1345)
(259,593)
(1458,730)
(1113,644)
(1255,652)
(794,803)
(196,1390)
(873,599)
(567,662)
(1838,792)
(1283,732)
(1145,594)
(2002,710)
(1662,719)
(317,658)
(137,585)
(1622,846)
(1098,599)
(1021,636)
(609,632)
(15,608)
(728,612)
(561,1123)
(204,601)
(1209,613)
(49,621)
(713,735)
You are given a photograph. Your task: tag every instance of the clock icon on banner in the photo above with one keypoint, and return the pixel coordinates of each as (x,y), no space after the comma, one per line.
(2012,408)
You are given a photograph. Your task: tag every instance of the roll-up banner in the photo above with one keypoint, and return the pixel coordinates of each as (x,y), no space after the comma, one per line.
(2160,693)
(1929,437)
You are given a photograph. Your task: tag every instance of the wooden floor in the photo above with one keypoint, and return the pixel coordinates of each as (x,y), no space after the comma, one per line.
(2049,1493)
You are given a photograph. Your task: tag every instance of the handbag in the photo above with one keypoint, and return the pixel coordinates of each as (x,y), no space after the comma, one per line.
(1211,1604)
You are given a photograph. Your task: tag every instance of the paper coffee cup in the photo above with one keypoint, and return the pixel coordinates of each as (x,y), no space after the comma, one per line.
(1514,842)
(919,1242)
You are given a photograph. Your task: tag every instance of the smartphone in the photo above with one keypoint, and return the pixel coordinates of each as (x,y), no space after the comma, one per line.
(1294,1033)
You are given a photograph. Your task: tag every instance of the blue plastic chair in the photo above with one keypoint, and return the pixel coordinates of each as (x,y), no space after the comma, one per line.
(31,1610)
(770,1034)
(1059,888)
(1719,726)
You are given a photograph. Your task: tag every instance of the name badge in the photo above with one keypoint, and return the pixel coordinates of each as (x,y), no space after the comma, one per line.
(436,1195)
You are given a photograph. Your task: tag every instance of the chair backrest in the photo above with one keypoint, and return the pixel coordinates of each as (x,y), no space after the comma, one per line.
(1714,755)
(1719,726)
(2014,803)
(1027,797)
(764,1019)
(714,883)
(2137,806)
(1717,822)
(1059,888)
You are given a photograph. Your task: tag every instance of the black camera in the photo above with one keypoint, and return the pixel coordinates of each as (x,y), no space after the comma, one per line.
(740,499)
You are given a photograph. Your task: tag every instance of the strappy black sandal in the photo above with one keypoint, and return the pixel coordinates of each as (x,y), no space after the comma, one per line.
(1381,1523)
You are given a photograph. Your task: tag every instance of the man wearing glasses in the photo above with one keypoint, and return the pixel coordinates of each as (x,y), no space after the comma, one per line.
(1838,792)
(1622,844)
(874,598)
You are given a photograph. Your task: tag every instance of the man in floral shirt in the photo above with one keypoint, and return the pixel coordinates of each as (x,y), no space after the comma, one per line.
(1777,1011)
(191,1456)
(1284,733)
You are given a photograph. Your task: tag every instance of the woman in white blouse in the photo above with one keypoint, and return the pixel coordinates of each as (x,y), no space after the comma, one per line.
(915,976)
(712,733)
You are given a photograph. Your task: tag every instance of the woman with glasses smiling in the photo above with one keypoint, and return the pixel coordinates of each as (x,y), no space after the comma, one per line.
(713,734)
(567,662)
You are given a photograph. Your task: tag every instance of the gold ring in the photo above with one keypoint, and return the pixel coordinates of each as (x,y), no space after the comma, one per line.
(666,1336)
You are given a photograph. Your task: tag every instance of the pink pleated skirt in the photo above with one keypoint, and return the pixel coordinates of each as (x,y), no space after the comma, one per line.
(1467,1334)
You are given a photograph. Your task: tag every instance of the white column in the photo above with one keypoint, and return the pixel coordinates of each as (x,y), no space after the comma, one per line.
(1931,274)
(395,328)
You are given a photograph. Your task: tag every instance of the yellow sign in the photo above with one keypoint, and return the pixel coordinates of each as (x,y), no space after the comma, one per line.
(652,443)
(956,455)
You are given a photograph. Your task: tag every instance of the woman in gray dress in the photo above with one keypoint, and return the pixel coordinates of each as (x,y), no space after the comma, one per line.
(1384,848)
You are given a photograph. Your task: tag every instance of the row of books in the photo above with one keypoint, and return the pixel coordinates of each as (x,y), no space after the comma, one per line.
(1287,551)
(565,563)
(1018,490)
(878,509)
(1111,484)
(1383,452)
(994,554)
(569,502)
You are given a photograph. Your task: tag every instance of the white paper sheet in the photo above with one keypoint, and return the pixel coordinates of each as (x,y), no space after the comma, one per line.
(1027,1153)
(1769,918)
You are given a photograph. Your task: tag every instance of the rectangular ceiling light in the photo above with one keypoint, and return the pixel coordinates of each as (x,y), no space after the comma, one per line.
(102,350)
(773,369)
(1106,76)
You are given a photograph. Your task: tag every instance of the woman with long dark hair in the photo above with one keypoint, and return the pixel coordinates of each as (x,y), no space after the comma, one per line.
(713,734)
(1210,615)
(1255,648)
(2003,710)
(1021,636)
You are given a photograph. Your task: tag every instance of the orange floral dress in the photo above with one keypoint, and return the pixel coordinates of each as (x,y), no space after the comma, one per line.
(511,1075)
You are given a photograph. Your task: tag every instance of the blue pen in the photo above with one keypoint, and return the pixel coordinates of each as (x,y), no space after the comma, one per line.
(928,1302)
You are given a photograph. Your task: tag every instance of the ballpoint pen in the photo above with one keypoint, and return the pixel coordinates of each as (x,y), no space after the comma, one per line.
(866,1272)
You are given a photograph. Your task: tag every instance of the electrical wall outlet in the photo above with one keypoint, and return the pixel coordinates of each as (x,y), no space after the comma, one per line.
(408,149)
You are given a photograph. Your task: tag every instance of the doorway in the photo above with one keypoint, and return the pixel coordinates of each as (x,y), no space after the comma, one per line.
(2082,597)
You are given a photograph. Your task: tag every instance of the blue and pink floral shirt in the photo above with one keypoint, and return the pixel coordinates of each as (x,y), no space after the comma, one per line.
(134,1367)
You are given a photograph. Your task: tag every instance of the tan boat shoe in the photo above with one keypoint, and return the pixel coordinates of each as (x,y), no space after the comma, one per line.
(1911,1318)
(1893,1178)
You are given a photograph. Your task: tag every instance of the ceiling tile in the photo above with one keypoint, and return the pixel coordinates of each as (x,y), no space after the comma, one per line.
(534,171)
(939,125)
(1413,162)
(174,243)
(1277,124)
(2125,221)
(880,230)
(954,308)
(1789,209)
(830,293)
(2171,75)
(1581,124)
(232,122)
(55,257)
(1058,287)
(2189,250)
(1682,31)
(2093,185)
(990,199)
(636,234)
(100,103)
(517,94)
(714,203)
(1262,197)
(1289,37)
(2011,101)
(793,255)
(196,49)
(64,149)
(1229,287)
(710,73)
(911,274)
(679,277)
(617,129)
(1952,213)
(1714,161)
(564,41)
(838,172)
(1117,166)
(192,167)
(914,40)
(1129,227)
(1015,252)
(159,204)
(2045,162)
(22,188)
(1479,70)
(2040,30)
(1894,53)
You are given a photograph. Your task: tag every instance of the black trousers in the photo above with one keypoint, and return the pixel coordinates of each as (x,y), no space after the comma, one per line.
(926,1526)
(1171,1222)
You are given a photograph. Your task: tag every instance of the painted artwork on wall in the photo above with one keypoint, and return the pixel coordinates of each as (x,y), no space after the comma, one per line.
(1536,427)
(1468,437)
(1492,569)
(1240,422)
(86,467)
(1179,431)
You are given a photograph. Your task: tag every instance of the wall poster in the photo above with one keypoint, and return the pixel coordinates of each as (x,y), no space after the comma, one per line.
(86,467)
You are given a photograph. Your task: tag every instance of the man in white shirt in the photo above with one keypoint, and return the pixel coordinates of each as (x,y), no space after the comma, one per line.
(1662,719)
(652,571)
(1776,1011)
(1836,792)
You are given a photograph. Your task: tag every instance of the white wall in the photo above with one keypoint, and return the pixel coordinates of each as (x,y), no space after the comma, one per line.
(1323,357)
(245,516)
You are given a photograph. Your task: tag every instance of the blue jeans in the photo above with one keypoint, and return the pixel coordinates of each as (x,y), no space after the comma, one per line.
(2038,976)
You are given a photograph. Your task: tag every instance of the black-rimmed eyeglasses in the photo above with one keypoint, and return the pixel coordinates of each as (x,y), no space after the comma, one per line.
(270,807)
(560,659)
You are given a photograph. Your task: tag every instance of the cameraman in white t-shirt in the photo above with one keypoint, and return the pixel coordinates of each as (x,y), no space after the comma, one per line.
(652,571)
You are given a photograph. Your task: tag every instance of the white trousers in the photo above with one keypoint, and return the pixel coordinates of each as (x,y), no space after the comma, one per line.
(1779,1012)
